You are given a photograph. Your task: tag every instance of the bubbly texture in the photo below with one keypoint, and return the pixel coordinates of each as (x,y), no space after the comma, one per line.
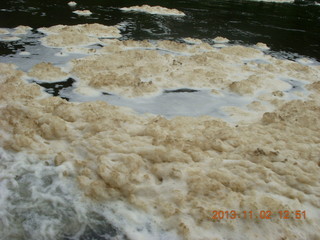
(154,10)
(220,40)
(21,30)
(13,35)
(47,72)
(77,35)
(179,170)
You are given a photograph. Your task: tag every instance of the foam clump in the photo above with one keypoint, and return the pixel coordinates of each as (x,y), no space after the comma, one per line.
(192,40)
(93,30)
(10,79)
(255,83)
(47,72)
(220,40)
(262,46)
(154,10)
(83,12)
(72,4)
(77,35)
(66,39)
(4,31)
(21,30)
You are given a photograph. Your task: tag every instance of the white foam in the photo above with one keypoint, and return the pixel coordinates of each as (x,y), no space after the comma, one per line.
(21,30)
(72,4)
(9,39)
(219,45)
(24,53)
(192,40)
(262,46)
(305,61)
(4,31)
(83,12)
(39,200)
(220,40)
(154,10)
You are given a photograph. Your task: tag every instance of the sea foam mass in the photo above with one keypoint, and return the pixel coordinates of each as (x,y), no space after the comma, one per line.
(108,168)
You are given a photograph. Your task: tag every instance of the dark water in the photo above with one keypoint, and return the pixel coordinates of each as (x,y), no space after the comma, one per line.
(287,27)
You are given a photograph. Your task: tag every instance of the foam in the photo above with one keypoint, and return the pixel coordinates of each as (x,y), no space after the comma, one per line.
(154,10)
(25,53)
(192,40)
(47,72)
(52,207)
(4,31)
(170,173)
(262,46)
(305,61)
(9,39)
(135,69)
(85,13)
(68,40)
(77,35)
(220,40)
(21,30)
(72,4)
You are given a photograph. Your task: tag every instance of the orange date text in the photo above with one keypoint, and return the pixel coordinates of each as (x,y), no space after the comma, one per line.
(262,214)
